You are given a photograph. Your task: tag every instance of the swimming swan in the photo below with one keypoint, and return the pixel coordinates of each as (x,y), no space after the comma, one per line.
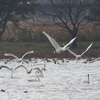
(38,74)
(40,71)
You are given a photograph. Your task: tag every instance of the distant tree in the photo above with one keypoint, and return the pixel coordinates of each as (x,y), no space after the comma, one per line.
(95,11)
(71,14)
(15,11)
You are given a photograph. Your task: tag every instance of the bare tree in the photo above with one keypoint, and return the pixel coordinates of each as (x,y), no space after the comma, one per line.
(95,12)
(71,14)
(15,11)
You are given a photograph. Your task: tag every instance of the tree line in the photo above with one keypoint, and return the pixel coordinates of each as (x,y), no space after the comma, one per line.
(69,13)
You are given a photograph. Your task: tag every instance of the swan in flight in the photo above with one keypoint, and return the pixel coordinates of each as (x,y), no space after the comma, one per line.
(79,56)
(12,71)
(56,45)
(28,71)
(18,59)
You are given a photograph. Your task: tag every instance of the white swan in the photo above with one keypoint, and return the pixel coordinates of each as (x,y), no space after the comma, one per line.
(56,45)
(79,56)
(12,71)
(38,74)
(18,59)
(39,71)
(28,71)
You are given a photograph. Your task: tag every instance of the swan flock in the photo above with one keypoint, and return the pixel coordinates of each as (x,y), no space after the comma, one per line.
(38,71)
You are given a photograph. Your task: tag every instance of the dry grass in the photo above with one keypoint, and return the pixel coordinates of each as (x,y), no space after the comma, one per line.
(87,31)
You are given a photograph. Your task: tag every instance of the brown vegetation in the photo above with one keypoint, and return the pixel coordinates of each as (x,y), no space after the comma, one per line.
(32,31)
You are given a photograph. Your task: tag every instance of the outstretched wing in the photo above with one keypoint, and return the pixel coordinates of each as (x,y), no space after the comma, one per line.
(53,42)
(71,41)
(9,54)
(72,52)
(87,48)
(4,67)
(20,66)
(27,53)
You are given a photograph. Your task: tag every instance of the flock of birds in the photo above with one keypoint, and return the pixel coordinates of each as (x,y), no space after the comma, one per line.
(38,71)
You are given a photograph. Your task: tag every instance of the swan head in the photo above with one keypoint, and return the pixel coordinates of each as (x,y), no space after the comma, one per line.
(29,71)
(31,51)
(6,54)
(38,73)
(41,76)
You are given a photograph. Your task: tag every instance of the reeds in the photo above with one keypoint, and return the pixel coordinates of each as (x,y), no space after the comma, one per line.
(32,32)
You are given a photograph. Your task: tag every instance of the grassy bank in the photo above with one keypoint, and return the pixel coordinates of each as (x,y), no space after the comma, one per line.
(45,49)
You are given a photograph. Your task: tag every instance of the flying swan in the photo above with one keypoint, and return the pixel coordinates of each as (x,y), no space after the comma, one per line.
(79,56)
(27,71)
(18,59)
(12,71)
(56,45)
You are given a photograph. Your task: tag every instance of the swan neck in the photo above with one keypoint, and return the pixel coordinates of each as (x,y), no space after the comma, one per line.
(37,76)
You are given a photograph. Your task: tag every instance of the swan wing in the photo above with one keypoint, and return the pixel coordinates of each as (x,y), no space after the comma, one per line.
(5,67)
(53,42)
(72,52)
(27,53)
(20,66)
(87,48)
(9,54)
(71,41)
